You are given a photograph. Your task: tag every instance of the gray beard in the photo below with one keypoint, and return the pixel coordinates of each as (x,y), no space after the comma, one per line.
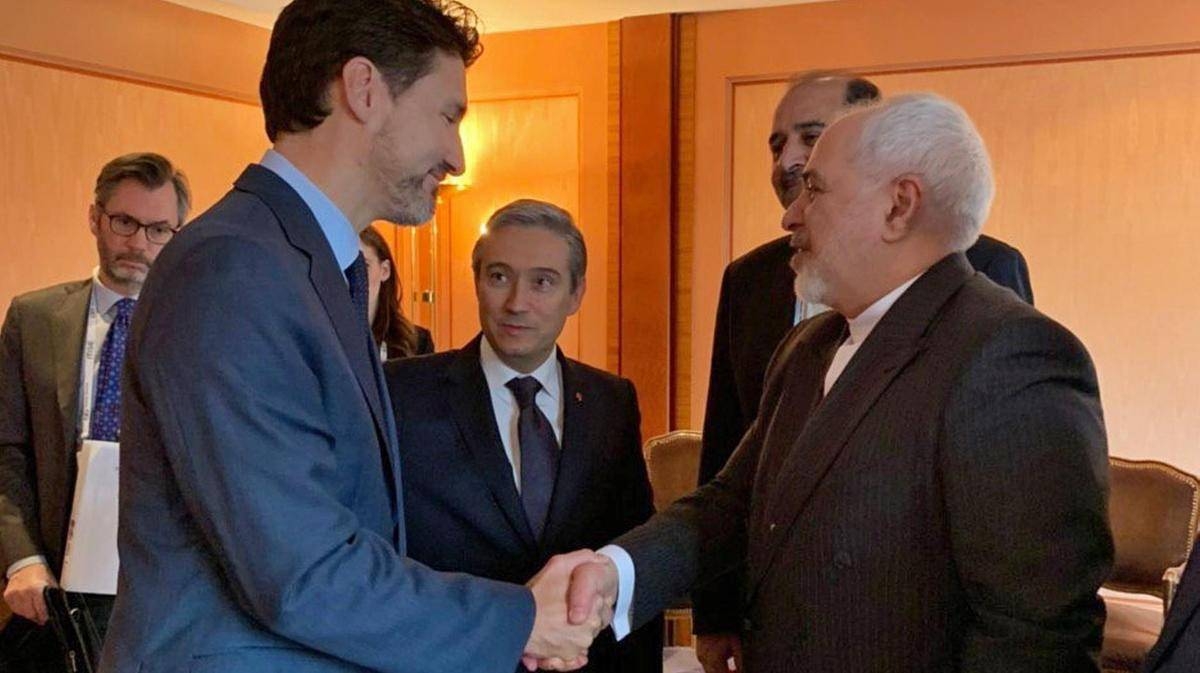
(414,206)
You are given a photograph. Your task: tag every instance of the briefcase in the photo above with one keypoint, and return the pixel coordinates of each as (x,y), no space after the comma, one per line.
(76,632)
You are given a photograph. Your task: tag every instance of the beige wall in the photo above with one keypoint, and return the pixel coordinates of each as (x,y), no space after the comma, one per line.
(59,127)
(82,82)
(1095,146)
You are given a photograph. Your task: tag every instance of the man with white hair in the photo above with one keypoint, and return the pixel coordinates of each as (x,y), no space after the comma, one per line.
(924,488)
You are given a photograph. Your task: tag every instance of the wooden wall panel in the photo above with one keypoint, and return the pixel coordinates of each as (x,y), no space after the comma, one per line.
(685,220)
(57,130)
(646,214)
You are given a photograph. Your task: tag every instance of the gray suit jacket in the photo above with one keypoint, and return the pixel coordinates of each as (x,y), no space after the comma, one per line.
(942,509)
(41,345)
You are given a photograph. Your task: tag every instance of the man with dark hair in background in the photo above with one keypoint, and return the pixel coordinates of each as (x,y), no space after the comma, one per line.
(757,307)
(261,510)
(61,351)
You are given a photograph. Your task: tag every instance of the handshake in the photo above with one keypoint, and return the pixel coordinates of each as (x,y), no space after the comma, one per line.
(574,595)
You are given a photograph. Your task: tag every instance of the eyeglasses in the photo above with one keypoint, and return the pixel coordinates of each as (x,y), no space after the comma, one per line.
(123,225)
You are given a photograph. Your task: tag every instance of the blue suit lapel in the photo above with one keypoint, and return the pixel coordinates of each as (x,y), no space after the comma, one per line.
(329,282)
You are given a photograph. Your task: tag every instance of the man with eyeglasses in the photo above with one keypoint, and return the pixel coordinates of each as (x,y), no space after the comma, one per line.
(61,351)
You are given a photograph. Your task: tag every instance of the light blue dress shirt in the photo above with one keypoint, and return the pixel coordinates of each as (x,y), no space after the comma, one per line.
(333,222)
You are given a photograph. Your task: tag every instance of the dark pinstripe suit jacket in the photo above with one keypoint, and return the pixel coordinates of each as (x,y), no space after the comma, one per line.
(942,509)
(1178,647)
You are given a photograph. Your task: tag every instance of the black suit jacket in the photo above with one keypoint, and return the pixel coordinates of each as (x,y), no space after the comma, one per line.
(41,349)
(942,509)
(462,509)
(1178,647)
(756,309)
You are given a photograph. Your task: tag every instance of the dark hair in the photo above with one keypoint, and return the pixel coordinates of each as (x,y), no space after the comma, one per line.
(389,327)
(151,171)
(858,89)
(534,213)
(313,39)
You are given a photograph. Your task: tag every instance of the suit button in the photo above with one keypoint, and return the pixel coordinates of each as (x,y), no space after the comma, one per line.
(842,560)
(747,625)
(771,528)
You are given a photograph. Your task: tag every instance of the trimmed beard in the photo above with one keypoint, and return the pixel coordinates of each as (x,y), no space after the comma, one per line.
(809,286)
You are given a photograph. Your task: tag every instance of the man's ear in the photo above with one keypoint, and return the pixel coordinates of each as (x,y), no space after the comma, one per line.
(906,194)
(94,219)
(360,87)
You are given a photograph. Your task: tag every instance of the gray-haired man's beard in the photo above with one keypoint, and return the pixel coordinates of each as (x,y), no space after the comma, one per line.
(809,286)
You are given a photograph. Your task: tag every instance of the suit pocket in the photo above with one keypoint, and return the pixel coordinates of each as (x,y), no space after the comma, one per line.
(269,660)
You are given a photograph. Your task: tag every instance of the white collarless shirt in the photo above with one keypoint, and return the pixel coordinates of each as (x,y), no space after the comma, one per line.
(861,327)
(504,403)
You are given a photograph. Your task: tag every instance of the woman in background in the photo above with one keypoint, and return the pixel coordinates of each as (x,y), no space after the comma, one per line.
(396,335)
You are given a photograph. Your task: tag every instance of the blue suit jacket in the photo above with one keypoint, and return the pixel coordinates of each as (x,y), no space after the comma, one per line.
(261,522)
(461,505)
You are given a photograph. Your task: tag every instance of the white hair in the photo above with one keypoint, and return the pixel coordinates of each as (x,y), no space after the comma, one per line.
(928,135)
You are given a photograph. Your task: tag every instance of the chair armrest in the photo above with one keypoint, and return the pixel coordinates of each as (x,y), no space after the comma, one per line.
(1171,580)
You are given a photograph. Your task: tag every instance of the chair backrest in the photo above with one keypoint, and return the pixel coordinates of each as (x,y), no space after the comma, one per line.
(673,461)
(1154,510)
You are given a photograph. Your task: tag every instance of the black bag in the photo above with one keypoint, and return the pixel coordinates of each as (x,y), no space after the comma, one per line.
(76,631)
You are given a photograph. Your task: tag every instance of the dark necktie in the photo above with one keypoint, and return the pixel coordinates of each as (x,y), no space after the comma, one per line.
(106,413)
(356,275)
(539,453)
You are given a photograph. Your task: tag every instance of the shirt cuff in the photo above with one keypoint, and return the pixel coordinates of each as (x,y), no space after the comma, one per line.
(623,611)
(29,561)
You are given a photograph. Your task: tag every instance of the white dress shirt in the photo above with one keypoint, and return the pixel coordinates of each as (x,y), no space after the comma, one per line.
(860,328)
(504,403)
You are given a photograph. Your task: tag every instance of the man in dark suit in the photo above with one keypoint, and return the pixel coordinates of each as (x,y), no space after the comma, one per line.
(474,500)
(261,509)
(56,389)
(758,306)
(1178,646)
(924,488)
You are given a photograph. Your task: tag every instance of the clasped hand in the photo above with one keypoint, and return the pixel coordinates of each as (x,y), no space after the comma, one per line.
(574,596)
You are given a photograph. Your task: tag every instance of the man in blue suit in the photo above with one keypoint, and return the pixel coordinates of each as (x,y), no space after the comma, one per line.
(476,498)
(261,510)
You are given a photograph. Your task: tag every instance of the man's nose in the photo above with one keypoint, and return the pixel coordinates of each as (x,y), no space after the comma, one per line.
(793,217)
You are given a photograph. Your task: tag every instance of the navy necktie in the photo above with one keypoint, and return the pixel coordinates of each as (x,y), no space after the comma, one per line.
(106,413)
(356,275)
(539,453)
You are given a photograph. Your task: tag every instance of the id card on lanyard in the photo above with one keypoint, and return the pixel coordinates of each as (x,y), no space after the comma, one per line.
(90,364)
